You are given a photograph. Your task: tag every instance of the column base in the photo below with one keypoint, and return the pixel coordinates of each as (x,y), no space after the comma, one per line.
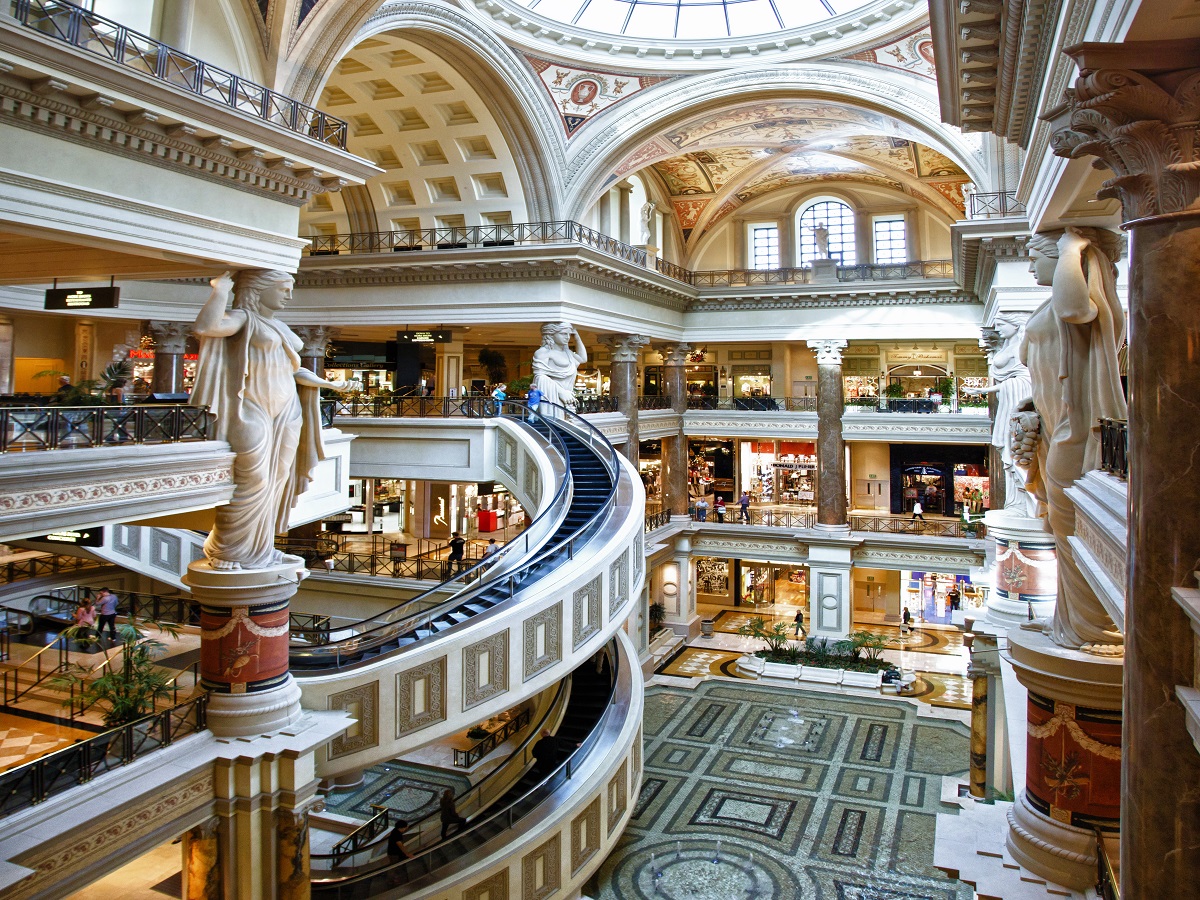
(836,530)
(1029,579)
(250,715)
(1054,850)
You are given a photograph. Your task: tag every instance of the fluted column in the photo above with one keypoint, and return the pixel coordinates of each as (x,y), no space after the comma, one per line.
(623,384)
(170,342)
(831,448)
(675,448)
(316,342)
(1135,105)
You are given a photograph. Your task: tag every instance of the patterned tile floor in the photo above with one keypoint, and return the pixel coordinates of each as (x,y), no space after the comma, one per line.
(24,740)
(784,794)
(947,641)
(409,789)
(694,662)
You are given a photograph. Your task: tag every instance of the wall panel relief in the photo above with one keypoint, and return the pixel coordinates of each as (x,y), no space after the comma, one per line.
(533,482)
(618,583)
(362,702)
(495,888)
(485,669)
(506,454)
(542,639)
(420,697)
(586,611)
(585,836)
(618,797)
(541,870)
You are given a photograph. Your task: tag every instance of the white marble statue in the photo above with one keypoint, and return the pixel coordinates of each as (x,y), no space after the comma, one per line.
(555,364)
(647,235)
(1012,387)
(1070,347)
(265,405)
(821,236)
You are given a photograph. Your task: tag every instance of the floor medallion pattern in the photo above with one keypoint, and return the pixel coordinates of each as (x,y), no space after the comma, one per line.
(760,792)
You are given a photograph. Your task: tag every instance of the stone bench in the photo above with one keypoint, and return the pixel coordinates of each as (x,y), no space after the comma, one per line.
(751,665)
(785,671)
(821,675)
(871,680)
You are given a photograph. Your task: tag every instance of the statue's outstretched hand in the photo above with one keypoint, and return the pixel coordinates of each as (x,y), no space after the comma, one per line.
(1026,432)
(347,386)
(223,284)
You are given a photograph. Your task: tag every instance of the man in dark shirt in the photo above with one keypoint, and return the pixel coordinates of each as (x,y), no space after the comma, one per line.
(449,813)
(457,544)
(545,751)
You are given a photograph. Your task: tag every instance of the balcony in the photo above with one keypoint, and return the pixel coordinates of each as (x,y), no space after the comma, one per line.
(1001,204)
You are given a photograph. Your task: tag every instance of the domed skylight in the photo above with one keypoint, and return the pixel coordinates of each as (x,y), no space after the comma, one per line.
(689,19)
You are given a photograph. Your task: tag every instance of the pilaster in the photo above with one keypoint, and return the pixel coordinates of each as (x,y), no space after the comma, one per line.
(170,343)
(831,602)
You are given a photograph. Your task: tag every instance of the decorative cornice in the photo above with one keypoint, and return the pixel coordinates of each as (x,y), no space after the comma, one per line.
(86,492)
(923,557)
(783,424)
(1141,126)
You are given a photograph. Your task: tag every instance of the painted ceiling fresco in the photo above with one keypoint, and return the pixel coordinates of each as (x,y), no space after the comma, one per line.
(912,53)
(581,94)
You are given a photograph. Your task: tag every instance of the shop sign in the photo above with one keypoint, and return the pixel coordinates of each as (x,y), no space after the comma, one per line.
(916,356)
(76,537)
(83,298)
(424,337)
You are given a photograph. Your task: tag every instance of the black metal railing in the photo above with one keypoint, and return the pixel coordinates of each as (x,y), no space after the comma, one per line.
(658,519)
(755,404)
(25,428)
(648,402)
(464,759)
(1114,447)
(44,566)
(475,236)
(1108,865)
(679,273)
(363,836)
(951,528)
(599,404)
(997,204)
(37,781)
(97,35)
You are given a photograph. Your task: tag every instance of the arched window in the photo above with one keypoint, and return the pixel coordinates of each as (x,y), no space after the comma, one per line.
(839,219)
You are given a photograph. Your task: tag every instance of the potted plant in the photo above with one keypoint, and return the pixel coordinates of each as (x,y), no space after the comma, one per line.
(494,364)
(658,615)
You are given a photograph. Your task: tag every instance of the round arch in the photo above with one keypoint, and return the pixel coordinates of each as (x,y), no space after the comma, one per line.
(491,69)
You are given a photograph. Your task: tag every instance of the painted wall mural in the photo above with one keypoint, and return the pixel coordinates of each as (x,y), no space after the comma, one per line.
(912,53)
(244,649)
(581,94)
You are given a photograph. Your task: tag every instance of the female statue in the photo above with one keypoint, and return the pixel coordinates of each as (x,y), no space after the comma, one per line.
(1070,347)
(1012,387)
(555,365)
(247,376)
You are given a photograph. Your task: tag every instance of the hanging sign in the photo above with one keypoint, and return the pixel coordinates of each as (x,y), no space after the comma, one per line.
(78,537)
(83,298)
(423,337)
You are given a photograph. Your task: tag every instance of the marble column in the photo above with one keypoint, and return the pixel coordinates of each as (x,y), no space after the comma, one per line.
(831,448)
(244,645)
(85,351)
(624,213)
(604,224)
(675,448)
(292,854)
(1114,112)
(623,384)
(1025,573)
(202,862)
(316,343)
(6,355)
(990,343)
(170,342)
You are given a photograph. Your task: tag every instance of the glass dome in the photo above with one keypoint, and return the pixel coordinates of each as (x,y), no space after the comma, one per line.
(690,19)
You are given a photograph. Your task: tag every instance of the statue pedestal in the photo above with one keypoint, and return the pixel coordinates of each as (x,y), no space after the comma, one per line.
(1025,570)
(1073,758)
(824,271)
(244,645)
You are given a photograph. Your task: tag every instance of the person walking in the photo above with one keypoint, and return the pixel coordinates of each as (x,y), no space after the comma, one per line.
(799,622)
(545,751)
(454,562)
(396,850)
(744,507)
(906,622)
(533,397)
(719,508)
(85,620)
(701,510)
(499,395)
(106,609)
(491,549)
(449,813)
(918,511)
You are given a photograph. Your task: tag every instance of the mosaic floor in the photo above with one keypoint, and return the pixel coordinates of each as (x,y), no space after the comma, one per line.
(783,794)
(923,640)
(411,790)
(939,689)
(693,662)
(24,740)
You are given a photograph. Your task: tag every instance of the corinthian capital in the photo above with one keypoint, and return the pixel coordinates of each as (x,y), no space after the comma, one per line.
(675,354)
(829,353)
(316,338)
(170,337)
(1135,106)
(625,347)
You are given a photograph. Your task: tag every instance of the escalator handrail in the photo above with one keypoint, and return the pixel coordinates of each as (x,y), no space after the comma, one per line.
(363,636)
(415,622)
(530,800)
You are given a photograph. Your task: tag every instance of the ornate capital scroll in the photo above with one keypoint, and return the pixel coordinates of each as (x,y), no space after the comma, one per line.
(625,347)
(170,337)
(316,338)
(829,353)
(675,354)
(1136,108)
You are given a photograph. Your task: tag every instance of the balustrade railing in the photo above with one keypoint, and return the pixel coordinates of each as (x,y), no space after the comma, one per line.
(465,759)
(769,517)
(659,519)
(679,273)
(37,781)
(24,428)
(97,35)
(363,836)
(718,278)
(399,407)
(952,528)
(646,402)
(1114,447)
(755,404)
(601,404)
(43,566)
(996,204)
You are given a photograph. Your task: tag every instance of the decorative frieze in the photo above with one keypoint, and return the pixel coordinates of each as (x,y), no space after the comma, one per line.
(420,697)
(485,669)
(542,640)
(362,702)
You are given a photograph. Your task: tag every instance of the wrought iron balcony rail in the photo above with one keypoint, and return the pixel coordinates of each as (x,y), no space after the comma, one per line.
(647,402)
(754,404)
(534,233)
(465,759)
(43,566)
(25,428)
(951,528)
(1114,447)
(768,517)
(95,34)
(659,519)
(37,781)
(599,404)
(996,205)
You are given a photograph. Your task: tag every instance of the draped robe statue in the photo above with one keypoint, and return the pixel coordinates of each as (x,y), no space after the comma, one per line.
(555,364)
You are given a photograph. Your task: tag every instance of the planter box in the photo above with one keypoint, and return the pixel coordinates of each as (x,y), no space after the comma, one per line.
(781,670)
(820,675)
(752,665)
(872,680)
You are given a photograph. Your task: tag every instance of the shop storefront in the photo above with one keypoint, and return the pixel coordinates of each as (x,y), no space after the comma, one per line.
(371,364)
(783,472)
(710,468)
(650,468)
(701,382)
(142,359)
(932,597)
(941,476)
(750,583)
(751,381)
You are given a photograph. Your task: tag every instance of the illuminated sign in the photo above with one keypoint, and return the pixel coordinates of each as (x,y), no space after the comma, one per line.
(79,537)
(424,337)
(83,298)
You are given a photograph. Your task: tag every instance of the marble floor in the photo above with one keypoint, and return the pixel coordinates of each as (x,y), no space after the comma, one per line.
(754,791)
